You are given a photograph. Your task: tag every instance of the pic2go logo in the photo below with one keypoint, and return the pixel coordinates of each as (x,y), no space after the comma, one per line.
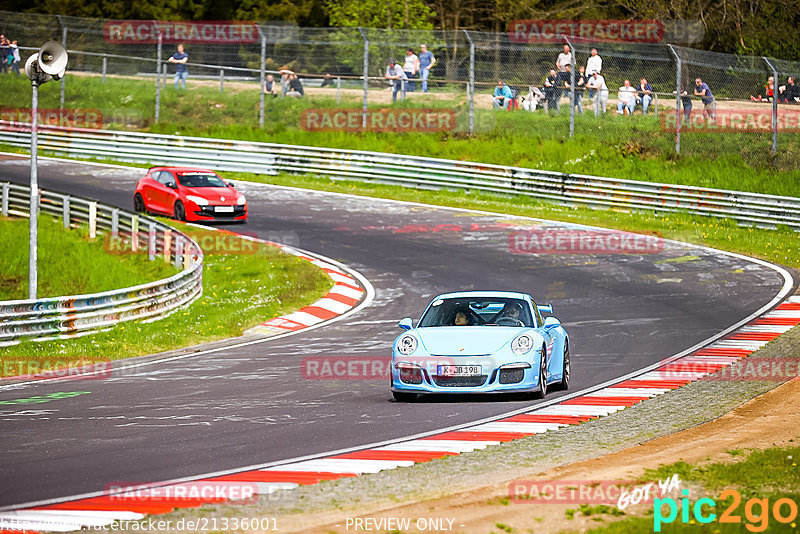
(756,511)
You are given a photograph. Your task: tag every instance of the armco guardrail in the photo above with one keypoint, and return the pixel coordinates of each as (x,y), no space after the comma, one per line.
(71,316)
(411,171)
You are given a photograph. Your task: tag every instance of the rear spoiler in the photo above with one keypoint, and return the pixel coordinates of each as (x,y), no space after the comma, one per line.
(545,308)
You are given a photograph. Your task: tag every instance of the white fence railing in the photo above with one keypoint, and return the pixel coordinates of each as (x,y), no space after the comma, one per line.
(71,316)
(412,171)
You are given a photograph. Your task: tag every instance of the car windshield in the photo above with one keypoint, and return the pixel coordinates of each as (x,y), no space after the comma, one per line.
(200,179)
(478,311)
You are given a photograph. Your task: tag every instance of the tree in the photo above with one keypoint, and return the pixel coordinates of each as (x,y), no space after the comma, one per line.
(403,14)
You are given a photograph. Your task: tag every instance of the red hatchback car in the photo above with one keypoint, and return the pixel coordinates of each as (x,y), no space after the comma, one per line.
(189,194)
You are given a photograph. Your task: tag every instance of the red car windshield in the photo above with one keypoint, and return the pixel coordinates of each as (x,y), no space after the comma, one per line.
(200,179)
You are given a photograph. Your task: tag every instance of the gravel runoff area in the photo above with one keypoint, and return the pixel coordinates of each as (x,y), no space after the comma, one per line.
(330,502)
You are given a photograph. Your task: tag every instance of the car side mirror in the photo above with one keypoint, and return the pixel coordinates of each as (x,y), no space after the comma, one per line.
(406,323)
(230,184)
(551,322)
(545,308)
(171,185)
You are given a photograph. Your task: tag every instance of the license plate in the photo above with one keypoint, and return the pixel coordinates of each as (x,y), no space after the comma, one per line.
(224,209)
(459,370)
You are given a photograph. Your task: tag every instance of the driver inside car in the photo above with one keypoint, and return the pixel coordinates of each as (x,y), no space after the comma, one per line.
(460,319)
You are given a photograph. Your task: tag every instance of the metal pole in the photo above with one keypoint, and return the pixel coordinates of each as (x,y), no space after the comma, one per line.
(34,198)
(158,71)
(677,101)
(64,44)
(774,111)
(366,77)
(471,86)
(105,66)
(338,90)
(263,78)
(221,79)
(572,89)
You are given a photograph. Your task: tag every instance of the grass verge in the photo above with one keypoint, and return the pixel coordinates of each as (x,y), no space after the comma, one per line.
(69,262)
(239,291)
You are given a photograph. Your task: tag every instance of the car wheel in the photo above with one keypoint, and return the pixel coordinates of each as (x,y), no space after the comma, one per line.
(138,203)
(541,390)
(400,396)
(179,211)
(565,372)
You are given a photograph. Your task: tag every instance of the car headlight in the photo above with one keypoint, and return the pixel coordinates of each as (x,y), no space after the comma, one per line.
(522,344)
(241,200)
(406,345)
(200,201)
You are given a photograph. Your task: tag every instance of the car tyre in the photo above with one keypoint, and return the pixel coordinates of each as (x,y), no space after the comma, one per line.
(564,384)
(138,204)
(179,211)
(541,390)
(401,396)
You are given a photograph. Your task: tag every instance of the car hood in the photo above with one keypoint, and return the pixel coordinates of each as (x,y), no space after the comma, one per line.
(212,194)
(467,340)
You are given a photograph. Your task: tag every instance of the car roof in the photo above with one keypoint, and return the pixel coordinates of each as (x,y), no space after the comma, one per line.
(501,294)
(180,169)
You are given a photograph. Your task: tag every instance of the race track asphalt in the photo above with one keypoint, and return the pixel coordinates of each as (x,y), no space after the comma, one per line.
(251,405)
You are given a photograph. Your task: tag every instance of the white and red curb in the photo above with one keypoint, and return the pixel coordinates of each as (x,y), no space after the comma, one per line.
(103,510)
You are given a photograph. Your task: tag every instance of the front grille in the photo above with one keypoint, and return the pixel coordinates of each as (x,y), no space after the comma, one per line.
(208,211)
(511,376)
(459,381)
(411,376)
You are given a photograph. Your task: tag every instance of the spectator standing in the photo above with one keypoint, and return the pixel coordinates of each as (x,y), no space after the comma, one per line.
(295,87)
(645,95)
(598,84)
(15,56)
(702,90)
(686,102)
(5,50)
(564,79)
(269,86)
(502,96)
(397,77)
(564,59)
(426,63)
(411,68)
(593,64)
(580,84)
(626,99)
(180,58)
(552,90)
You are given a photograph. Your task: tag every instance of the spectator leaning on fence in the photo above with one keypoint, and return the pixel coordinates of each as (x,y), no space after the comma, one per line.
(502,96)
(598,84)
(426,63)
(411,68)
(626,99)
(15,56)
(702,90)
(295,87)
(327,80)
(180,58)
(686,102)
(789,93)
(645,95)
(398,78)
(564,59)
(580,84)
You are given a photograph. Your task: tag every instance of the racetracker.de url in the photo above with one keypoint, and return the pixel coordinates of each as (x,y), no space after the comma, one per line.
(153,524)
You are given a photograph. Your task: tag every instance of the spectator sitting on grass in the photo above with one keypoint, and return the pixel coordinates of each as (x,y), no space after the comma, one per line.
(269,86)
(502,96)
(626,99)
(789,93)
(769,92)
(645,95)
(295,87)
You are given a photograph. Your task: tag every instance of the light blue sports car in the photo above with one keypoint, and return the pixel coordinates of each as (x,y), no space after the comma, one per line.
(480,342)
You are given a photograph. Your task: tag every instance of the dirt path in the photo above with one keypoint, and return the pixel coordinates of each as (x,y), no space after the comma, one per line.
(772,419)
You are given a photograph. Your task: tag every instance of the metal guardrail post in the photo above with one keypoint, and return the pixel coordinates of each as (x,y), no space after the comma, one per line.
(774,111)
(221,80)
(366,78)
(262,77)
(167,244)
(105,67)
(65,212)
(151,242)
(92,220)
(338,90)
(158,71)
(134,233)
(471,87)
(655,104)
(115,222)
(677,100)
(4,200)
(179,251)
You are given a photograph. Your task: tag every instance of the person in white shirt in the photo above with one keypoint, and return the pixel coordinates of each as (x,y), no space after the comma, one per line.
(626,99)
(411,68)
(598,84)
(564,59)
(593,64)
(398,78)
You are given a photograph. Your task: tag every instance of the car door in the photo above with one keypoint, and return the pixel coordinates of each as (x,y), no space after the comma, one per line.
(164,196)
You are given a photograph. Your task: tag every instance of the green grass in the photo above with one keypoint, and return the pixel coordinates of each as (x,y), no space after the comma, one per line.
(239,291)
(769,474)
(622,147)
(69,262)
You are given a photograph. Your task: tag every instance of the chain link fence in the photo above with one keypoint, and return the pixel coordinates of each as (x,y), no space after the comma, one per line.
(238,74)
